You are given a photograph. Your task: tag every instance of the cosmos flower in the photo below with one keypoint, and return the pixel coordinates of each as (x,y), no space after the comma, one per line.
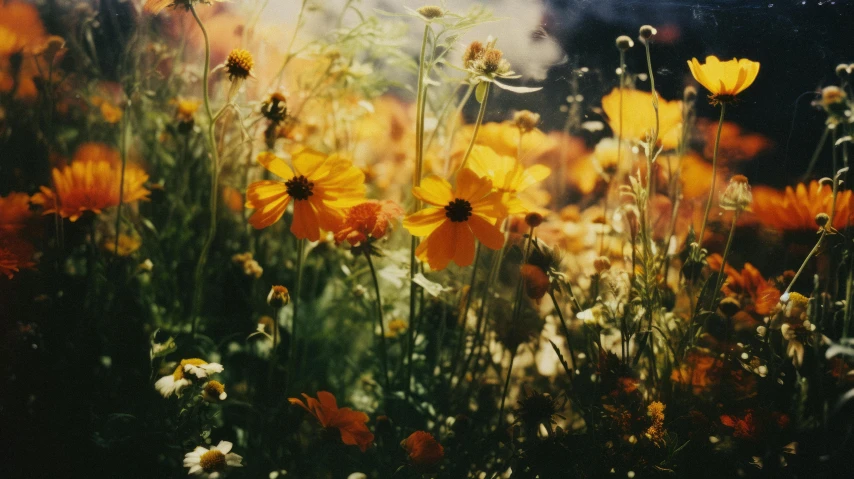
(456,217)
(508,176)
(351,424)
(212,463)
(320,186)
(638,116)
(368,220)
(91,183)
(724,80)
(183,374)
(795,209)
(423,449)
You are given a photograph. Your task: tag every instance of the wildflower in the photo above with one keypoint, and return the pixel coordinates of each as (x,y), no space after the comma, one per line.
(601,264)
(486,64)
(395,327)
(455,218)
(534,219)
(350,424)
(181,377)
(275,108)
(431,12)
(624,42)
(248,264)
(638,116)
(239,64)
(185,113)
(213,391)
(111,113)
(646,32)
(15,254)
(278,296)
(368,221)
(655,432)
(91,183)
(724,80)
(737,196)
(320,186)
(834,102)
(423,449)
(537,409)
(536,281)
(15,212)
(700,370)
(526,121)
(127,244)
(156,6)
(508,176)
(795,209)
(212,463)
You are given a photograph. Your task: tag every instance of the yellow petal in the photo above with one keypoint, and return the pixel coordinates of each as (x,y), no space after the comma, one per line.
(275,165)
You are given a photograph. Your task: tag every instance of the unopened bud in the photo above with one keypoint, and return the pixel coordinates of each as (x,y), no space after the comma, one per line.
(647,31)
(624,42)
(534,219)
(278,296)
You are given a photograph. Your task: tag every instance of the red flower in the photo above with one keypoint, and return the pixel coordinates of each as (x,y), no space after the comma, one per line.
(368,220)
(350,423)
(423,449)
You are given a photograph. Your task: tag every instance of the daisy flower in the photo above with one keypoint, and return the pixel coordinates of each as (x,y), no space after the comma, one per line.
(212,463)
(181,378)
(455,218)
(320,186)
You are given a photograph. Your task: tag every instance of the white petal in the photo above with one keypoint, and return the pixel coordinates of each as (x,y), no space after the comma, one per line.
(195,469)
(233,459)
(224,447)
(223,396)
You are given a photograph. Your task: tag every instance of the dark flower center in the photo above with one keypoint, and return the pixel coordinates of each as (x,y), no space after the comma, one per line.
(458,210)
(299,187)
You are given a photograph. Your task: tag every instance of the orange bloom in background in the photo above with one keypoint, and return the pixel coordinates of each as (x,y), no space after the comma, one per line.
(232,199)
(15,213)
(455,218)
(724,80)
(368,220)
(423,449)
(796,208)
(510,178)
(639,116)
(91,183)
(735,145)
(111,113)
(320,186)
(503,138)
(351,424)
(15,254)
(749,282)
(700,370)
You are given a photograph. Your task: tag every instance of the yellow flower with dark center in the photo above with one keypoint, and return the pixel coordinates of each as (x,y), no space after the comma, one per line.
(724,80)
(321,188)
(508,176)
(239,64)
(456,217)
(638,116)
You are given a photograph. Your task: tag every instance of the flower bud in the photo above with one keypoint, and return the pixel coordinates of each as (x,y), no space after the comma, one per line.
(822,219)
(534,219)
(601,264)
(278,296)
(690,94)
(624,42)
(647,32)
(431,12)
(843,71)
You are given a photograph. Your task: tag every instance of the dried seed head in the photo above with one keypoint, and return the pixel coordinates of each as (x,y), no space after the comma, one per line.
(526,120)
(737,196)
(601,264)
(843,71)
(239,64)
(431,12)
(534,219)
(822,219)
(492,60)
(473,53)
(647,31)
(832,94)
(624,42)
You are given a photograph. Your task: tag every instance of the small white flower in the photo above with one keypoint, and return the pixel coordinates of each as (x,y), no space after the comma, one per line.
(178,380)
(212,463)
(202,370)
(169,385)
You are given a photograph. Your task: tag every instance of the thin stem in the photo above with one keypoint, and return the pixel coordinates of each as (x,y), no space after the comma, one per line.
(506,387)
(714,177)
(292,357)
(274,353)
(477,123)
(565,332)
(383,347)
(719,282)
(818,148)
(203,254)
(124,154)
(804,264)
(463,317)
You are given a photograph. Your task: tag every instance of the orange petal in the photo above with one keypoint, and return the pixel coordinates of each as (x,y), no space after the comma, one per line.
(487,233)
(305,224)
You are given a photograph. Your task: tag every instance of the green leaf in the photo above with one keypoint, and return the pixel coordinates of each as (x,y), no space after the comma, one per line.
(480,91)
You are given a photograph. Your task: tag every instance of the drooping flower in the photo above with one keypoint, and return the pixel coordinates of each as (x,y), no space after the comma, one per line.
(486,64)
(455,218)
(212,463)
(156,6)
(320,186)
(795,209)
(724,80)
(349,423)
(737,196)
(214,391)
(638,116)
(91,183)
(183,375)
(368,220)
(508,176)
(423,449)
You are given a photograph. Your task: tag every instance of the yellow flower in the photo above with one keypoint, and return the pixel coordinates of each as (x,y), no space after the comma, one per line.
(724,80)
(508,176)
(638,117)
(321,187)
(455,218)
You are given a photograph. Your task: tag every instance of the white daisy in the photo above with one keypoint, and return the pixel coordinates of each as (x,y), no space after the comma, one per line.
(214,391)
(212,463)
(178,380)
(169,385)
(201,370)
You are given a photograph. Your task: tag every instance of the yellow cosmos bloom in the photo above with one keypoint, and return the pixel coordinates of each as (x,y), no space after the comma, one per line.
(455,217)
(508,177)
(321,187)
(724,80)
(639,116)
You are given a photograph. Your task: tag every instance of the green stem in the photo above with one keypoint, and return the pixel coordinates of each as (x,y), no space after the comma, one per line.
(720,281)
(714,177)
(480,114)
(506,387)
(203,254)
(383,347)
(462,319)
(565,332)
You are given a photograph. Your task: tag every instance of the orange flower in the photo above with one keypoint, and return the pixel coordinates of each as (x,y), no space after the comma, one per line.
(700,370)
(749,282)
(15,255)
(91,183)
(796,208)
(321,187)
(350,423)
(368,220)
(455,218)
(423,449)
(639,116)
(15,212)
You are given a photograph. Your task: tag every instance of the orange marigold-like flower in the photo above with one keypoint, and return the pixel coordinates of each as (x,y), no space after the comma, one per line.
(91,183)
(638,116)
(15,254)
(749,281)
(368,220)
(455,217)
(351,424)
(423,449)
(15,212)
(320,186)
(796,208)
(700,370)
